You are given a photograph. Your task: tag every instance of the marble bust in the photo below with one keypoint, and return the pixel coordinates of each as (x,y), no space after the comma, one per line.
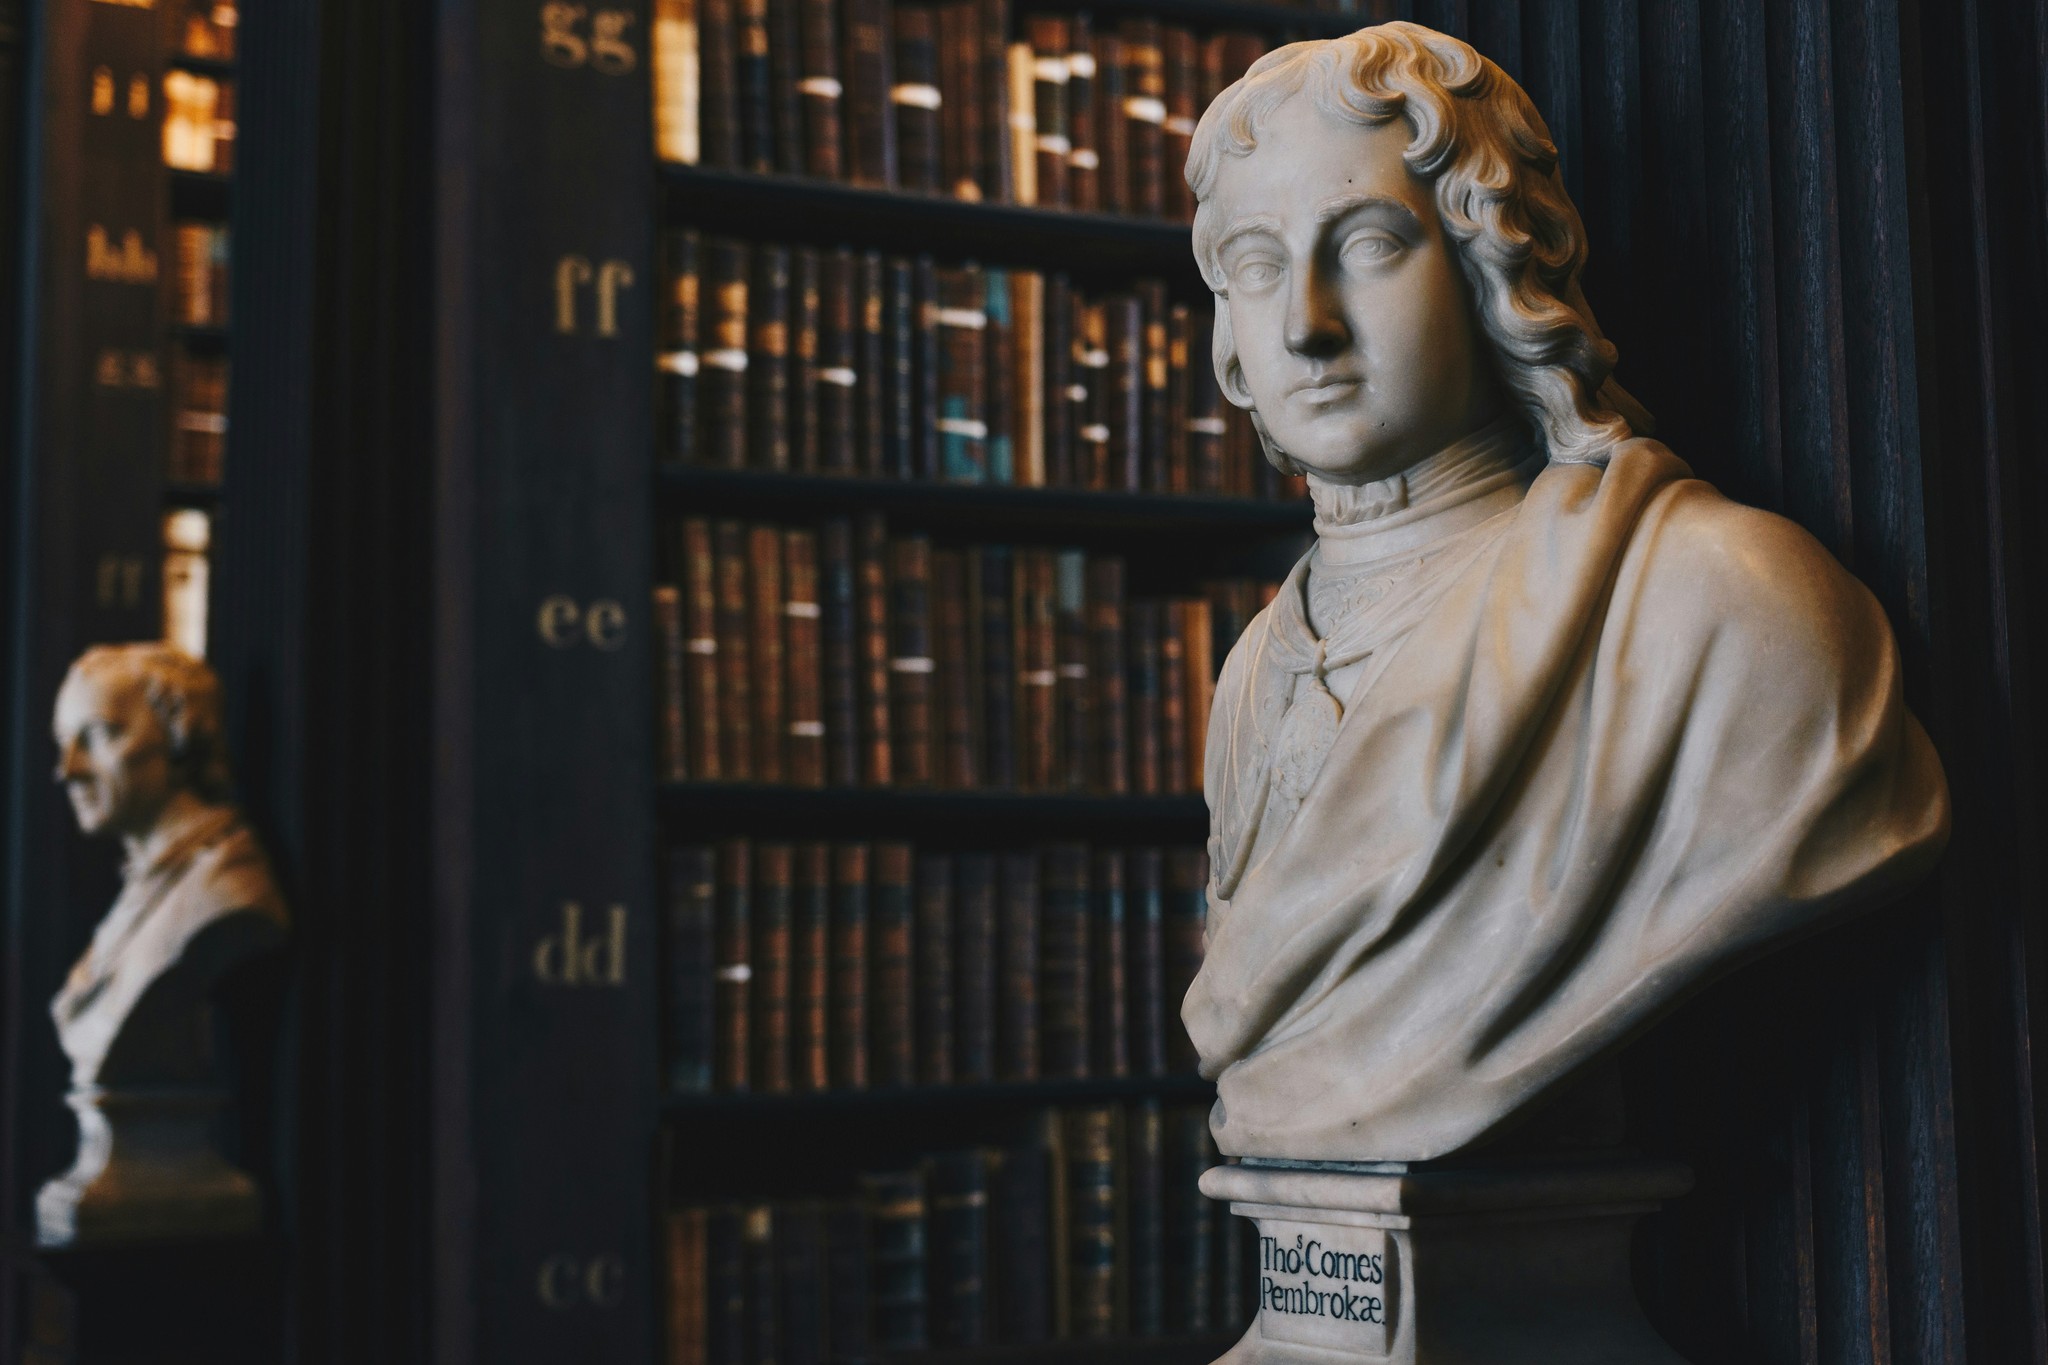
(1543,732)
(141,758)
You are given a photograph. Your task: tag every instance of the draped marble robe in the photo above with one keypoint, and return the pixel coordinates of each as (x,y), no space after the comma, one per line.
(1601,745)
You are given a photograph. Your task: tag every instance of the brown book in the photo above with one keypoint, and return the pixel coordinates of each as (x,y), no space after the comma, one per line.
(1064,995)
(722,376)
(768,360)
(839,639)
(719,116)
(1017,968)
(850,966)
(1091,396)
(770,968)
(1238,50)
(933,992)
(961,95)
(678,362)
(872,567)
(1037,670)
(1112,135)
(838,375)
(689,947)
(993,27)
(671,659)
(1155,412)
(1124,333)
(1047,34)
(734,975)
(1198,667)
(785,75)
(1109,952)
(1179,401)
(1145,115)
(1204,413)
(1149,1009)
(735,655)
(1024,381)
(811,967)
(1062,413)
(1074,694)
(975,989)
(892,907)
(1084,188)
(911,665)
(819,89)
(765,638)
(870,114)
(959,749)
(687,1287)
(1173,700)
(960,415)
(806,315)
(992,573)
(873,397)
(700,644)
(927,368)
(1182,928)
(1183,95)
(677,82)
(1106,673)
(1023,91)
(804,745)
(756,86)
(1142,689)
(1092,1185)
(917,98)
(1241,454)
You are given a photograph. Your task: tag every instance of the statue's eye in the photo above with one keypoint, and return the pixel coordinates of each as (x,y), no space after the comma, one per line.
(1257,272)
(1371,246)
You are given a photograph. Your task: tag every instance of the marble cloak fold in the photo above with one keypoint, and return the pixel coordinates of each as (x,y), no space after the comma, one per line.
(1647,733)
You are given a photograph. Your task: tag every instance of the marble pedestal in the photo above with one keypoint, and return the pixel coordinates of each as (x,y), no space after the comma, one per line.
(1522,1264)
(147,1168)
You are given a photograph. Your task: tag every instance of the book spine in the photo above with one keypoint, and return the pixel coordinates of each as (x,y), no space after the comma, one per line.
(1173,700)
(1063,964)
(690,930)
(849,1270)
(1146,909)
(873,366)
(896,1208)
(724,363)
(754,85)
(785,74)
(1106,673)
(1156,413)
(687,1287)
(804,747)
(957,1185)
(1205,425)
(953,154)
(993,26)
(719,118)
(806,418)
(998,672)
(1109,934)
(671,728)
(873,567)
(998,359)
(1091,397)
(1021,1200)
(1145,115)
(975,972)
(959,767)
(733,990)
(1111,128)
(960,426)
(678,77)
(1183,926)
(700,642)
(677,363)
(1084,162)
(768,360)
(770,968)
(899,432)
(1038,672)
(1022,88)
(800,1283)
(1124,329)
(1017,1034)
(1144,697)
(758,1261)
(1183,72)
(968,109)
(917,99)
(839,636)
(1144,1193)
(1092,1248)
(870,114)
(935,948)
(849,997)
(1055,395)
(839,375)
(770,712)
(893,971)
(1047,34)
(735,682)
(1179,395)
(911,665)
(1025,379)
(926,462)
(1190,1221)
(726,1294)
(819,89)
(1074,692)
(811,966)
(1198,688)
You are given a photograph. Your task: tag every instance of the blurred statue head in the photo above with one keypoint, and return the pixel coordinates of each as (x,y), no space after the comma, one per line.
(135,725)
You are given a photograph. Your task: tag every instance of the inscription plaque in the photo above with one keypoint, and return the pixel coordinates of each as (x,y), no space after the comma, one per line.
(1327,1285)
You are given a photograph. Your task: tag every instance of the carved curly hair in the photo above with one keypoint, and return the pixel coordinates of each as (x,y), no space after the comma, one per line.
(185,695)
(1517,236)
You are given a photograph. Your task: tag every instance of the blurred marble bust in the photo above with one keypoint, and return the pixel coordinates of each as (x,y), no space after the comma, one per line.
(1543,732)
(141,758)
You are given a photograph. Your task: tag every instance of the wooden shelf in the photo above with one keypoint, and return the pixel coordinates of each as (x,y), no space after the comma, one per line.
(711,808)
(209,340)
(827,1104)
(201,194)
(1181,1350)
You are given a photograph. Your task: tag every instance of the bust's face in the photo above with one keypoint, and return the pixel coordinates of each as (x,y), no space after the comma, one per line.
(1352,320)
(113,756)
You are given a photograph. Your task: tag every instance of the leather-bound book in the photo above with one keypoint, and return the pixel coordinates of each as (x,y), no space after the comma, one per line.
(678,79)
(999,362)
(1144,690)
(993,566)
(1037,670)
(806,316)
(849,1037)
(1211,74)
(735,654)
(701,710)
(1074,694)
(927,337)
(810,990)
(1092,1241)
(686,1254)
(1183,107)
(768,360)
(1056,393)
(671,660)
(1024,381)
(959,749)
(1185,918)
(734,976)
(1239,50)
(1112,135)
(1190,1221)
(1205,408)
(1145,907)
(785,72)
(974,968)
(839,640)
(1092,395)
(870,113)
(957,1191)
(1198,672)
(872,566)
(839,375)
(849,1269)
(911,666)
(1064,994)
(800,1283)
(690,954)
(804,736)
(755,86)
(892,973)
(722,375)
(1024,1229)
(681,286)
(1047,34)
(1106,675)
(1145,115)
(770,967)
(1109,936)
(872,365)
(897,1212)
(1155,413)
(1084,163)
(1173,699)
(1179,398)
(719,111)
(932,991)
(820,90)
(757,1256)
(1124,337)
(1017,968)
(993,29)
(900,321)
(917,99)
(960,420)
(765,638)
(960,99)
(1144,1221)
(725,1272)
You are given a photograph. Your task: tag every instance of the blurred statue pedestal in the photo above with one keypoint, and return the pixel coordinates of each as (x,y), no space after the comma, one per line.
(1393,1264)
(147,1168)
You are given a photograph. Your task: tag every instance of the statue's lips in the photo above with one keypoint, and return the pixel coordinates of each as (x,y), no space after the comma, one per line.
(1325,388)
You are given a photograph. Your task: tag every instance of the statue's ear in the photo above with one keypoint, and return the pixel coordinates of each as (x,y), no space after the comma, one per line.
(1230,378)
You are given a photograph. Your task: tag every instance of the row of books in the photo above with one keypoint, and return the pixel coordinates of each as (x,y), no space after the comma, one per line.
(844,656)
(199,417)
(842,362)
(199,286)
(812,966)
(1092,1227)
(199,123)
(937,98)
